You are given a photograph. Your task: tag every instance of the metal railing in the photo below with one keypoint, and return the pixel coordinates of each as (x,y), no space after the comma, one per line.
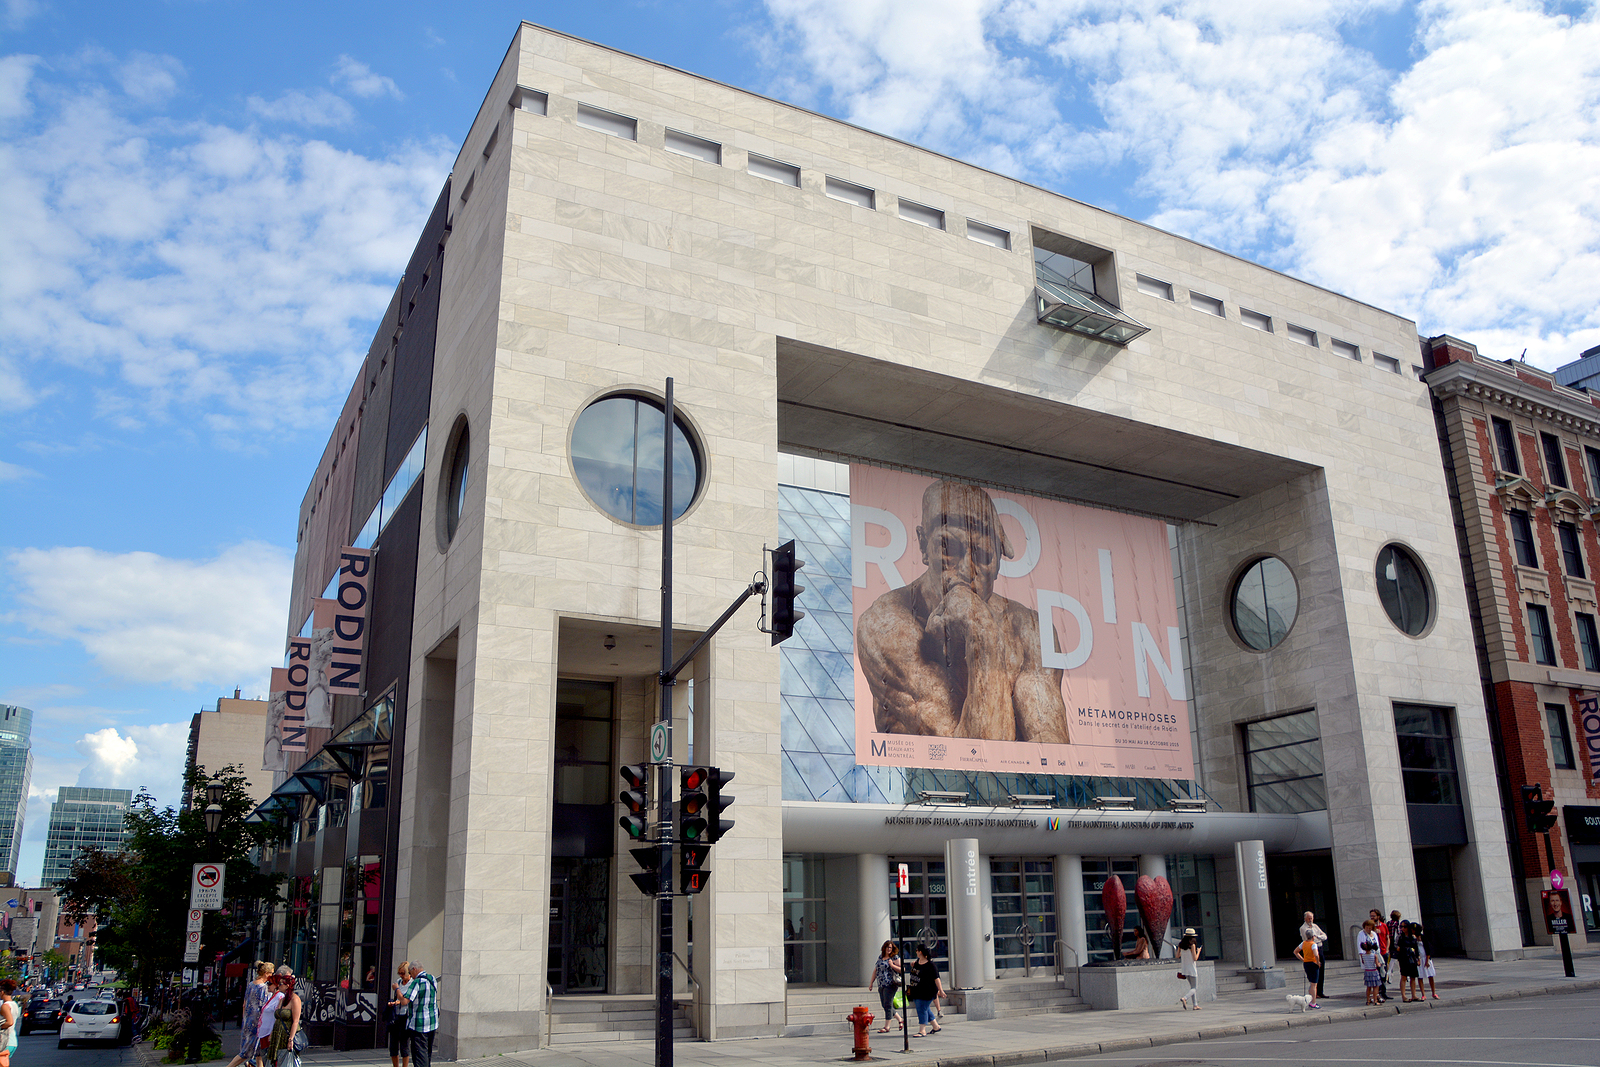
(1061,965)
(544,1023)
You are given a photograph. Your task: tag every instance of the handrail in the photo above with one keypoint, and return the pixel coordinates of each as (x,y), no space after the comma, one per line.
(544,1024)
(687,971)
(1061,967)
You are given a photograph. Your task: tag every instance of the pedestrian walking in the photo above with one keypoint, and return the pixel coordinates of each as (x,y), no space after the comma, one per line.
(397,1013)
(285,1039)
(886,980)
(1188,953)
(421,994)
(1310,956)
(255,995)
(1309,930)
(925,989)
(9,1018)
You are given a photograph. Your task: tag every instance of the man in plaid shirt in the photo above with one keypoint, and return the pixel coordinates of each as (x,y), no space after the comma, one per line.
(421,992)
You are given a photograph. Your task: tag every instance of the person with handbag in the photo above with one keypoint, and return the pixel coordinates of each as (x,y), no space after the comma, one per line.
(1189,968)
(886,980)
(285,1040)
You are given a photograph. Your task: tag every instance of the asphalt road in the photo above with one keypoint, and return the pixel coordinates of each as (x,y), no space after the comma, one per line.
(1548,1031)
(39,1050)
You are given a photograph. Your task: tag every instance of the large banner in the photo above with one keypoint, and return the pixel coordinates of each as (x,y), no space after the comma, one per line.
(1589,719)
(1002,632)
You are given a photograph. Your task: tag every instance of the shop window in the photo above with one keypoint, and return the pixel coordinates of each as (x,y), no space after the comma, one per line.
(1505,446)
(1571,553)
(1404,589)
(1555,467)
(1264,603)
(1427,754)
(1588,641)
(1283,764)
(1522,537)
(1543,648)
(1555,721)
(618,445)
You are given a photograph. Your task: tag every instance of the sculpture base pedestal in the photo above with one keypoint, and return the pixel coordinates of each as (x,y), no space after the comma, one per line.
(1142,984)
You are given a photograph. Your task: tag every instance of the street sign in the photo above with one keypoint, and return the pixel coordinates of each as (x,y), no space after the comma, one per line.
(660,743)
(11,903)
(191,947)
(197,918)
(205,886)
(1556,881)
(904,878)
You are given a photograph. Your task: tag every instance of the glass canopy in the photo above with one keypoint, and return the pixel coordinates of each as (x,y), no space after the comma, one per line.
(1067,306)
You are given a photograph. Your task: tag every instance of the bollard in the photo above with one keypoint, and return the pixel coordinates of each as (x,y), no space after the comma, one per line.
(861,1018)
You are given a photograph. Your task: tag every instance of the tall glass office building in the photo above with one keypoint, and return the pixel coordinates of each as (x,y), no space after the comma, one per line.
(16,773)
(82,818)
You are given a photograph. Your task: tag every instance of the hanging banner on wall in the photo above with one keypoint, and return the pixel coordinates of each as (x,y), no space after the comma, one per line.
(349,621)
(1589,718)
(1003,632)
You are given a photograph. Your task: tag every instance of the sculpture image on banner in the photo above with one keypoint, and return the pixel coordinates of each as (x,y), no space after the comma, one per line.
(1037,635)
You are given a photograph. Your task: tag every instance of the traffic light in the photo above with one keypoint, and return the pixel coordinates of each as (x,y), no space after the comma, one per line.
(649,879)
(636,800)
(784,591)
(1540,813)
(721,801)
(692,867)
(694,800)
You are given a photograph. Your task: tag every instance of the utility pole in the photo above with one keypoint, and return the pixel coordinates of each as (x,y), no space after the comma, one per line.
(666,823)
(1541,818)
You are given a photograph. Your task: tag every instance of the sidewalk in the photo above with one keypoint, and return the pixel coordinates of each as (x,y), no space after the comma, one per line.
(1004,1042)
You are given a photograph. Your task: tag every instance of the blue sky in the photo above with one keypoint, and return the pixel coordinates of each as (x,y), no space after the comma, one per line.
(208,202)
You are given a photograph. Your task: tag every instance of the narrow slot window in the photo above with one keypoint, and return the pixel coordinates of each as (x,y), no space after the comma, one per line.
(1255,320)
(1153,287)
(1345,349)
(531,100)
(774,170)
(922,214)
(494,139)
(466,190)
(687,144)
(1210,305)
(1301,335)
(1388,363)
(985,234)
(595,118)
(850,192)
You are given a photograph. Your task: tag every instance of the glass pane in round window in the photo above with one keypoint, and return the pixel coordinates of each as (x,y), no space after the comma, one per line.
(1403,588)
(617,450)
(1265,603)
(458,486)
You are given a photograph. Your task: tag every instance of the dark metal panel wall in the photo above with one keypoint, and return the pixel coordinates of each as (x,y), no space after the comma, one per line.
(413,360)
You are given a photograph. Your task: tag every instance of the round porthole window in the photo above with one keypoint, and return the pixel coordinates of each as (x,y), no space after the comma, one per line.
(456,486)
(617,451)
(1404,590)
(1265,603)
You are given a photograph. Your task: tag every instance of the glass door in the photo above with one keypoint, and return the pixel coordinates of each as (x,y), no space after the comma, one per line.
(556,948)
(921,915)
(1024,895)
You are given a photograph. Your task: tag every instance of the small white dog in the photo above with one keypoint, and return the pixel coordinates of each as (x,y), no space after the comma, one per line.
(1296,1000)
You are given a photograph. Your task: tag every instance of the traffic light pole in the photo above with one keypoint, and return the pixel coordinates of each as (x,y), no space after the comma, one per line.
(664,770)
(1566,946)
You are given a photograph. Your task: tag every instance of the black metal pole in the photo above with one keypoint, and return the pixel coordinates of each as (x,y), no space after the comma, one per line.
(666,829)
(1566,946)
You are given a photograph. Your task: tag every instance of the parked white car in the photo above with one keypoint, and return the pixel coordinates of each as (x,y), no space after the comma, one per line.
(89,1020)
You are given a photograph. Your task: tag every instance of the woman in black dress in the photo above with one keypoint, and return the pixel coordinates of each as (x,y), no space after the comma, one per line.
(925,988)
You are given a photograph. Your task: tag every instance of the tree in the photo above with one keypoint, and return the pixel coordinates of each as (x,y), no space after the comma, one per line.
(140,896)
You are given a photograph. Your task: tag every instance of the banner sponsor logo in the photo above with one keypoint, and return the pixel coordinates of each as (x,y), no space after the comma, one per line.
(1004,632)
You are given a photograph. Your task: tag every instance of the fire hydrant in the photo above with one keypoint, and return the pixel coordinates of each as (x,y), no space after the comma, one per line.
(861,1018)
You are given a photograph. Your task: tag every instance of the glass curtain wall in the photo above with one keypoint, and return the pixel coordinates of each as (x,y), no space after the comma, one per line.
(805,921)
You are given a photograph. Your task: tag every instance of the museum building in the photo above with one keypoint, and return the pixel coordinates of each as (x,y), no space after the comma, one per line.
(1244,660)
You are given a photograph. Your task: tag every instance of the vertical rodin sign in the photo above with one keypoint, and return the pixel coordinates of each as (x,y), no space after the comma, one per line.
(205,886)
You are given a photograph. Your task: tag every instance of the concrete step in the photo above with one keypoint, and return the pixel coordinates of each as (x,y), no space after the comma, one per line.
(559,1037)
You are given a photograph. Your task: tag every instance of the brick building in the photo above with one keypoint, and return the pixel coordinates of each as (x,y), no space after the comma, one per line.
(1522,453)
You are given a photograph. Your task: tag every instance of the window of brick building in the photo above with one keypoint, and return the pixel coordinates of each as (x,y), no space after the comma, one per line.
(1544,650)
(1555,465)
(1522,537)
(1555,720)
(1505,446)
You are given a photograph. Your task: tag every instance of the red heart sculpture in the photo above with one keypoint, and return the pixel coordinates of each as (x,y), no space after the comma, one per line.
(1115,900)
(1155,907)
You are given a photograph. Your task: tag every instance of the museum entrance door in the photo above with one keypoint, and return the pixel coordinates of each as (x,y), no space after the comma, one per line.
(920,913)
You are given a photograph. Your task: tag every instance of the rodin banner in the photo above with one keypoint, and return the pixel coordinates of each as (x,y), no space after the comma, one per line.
(1589,717)
(1003,632)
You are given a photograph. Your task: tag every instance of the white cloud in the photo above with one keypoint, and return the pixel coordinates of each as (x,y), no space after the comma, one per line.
(148,757)
(11,472)
(297,108)
(149,618)
(359,79)
(15,13)
(149,78)
(1463,190)
(215,273)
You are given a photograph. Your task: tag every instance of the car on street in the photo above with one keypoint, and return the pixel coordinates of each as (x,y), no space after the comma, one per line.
(90,1020)
(41,1015)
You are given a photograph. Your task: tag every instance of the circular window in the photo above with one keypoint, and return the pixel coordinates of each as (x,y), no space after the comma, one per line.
(456,487)
(1265,602)
(1403,588)
(617,451)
